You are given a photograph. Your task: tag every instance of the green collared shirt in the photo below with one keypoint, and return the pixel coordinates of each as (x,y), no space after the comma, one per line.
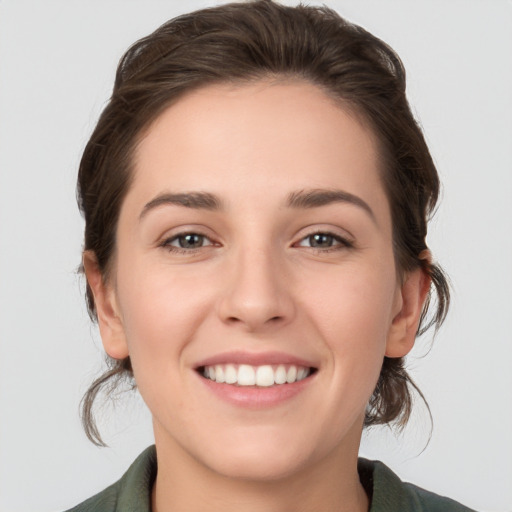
(132,493)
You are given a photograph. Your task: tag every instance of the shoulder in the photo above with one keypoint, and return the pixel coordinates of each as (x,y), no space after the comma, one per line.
(435,503)
(105,501)
(389,493)
(132,493)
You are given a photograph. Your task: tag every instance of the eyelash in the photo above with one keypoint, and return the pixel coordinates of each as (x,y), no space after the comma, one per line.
(166,244)
(339,242)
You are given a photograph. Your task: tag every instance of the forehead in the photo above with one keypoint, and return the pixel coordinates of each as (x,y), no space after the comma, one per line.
(258,138)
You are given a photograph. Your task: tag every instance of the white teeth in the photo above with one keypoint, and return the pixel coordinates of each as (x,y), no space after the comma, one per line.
(246,375)
(219,374)
(265,376)
(291,375)
(280,376)
(230,375)
(262,376)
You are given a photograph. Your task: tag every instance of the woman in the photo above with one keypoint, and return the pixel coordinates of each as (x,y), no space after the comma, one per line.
(256,196)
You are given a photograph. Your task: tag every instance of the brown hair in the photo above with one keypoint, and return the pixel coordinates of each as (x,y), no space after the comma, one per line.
(248,41)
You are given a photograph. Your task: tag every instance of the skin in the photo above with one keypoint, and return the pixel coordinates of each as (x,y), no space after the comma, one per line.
(257,284)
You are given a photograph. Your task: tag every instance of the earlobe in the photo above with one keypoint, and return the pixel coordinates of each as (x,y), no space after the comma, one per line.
(109,321)
(412,296)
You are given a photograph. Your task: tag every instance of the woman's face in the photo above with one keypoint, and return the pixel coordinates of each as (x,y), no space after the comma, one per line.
(255,245)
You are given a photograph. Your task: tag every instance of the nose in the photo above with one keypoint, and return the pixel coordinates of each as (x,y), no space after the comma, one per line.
(257,295)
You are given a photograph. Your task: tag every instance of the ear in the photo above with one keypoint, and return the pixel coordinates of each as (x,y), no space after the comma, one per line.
(109,320)
(410,299)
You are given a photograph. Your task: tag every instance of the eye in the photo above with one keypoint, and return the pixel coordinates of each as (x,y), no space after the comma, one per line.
(187,241)
(325,240)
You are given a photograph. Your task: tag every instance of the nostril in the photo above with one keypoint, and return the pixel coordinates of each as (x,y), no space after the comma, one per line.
(235,319)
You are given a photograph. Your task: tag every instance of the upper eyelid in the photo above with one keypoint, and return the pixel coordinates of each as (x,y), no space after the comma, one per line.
(340,233)
(336,236)
(303,233)
(170,238)
(341,240)
(178,231)
(175,237)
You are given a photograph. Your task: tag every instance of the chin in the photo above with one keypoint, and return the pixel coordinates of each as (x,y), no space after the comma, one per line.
(258,466)
(260,455)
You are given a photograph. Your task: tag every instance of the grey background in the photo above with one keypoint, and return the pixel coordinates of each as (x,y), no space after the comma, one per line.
(57,62)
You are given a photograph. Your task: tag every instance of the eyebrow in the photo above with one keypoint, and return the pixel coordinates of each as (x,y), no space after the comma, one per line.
(315,198)
(196,200)
(301,199)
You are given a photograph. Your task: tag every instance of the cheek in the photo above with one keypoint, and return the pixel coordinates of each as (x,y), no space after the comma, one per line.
(353,311)
(161,311)
(354,305)
(161,308)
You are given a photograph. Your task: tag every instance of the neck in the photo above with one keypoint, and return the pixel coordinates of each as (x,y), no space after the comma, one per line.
(185,484)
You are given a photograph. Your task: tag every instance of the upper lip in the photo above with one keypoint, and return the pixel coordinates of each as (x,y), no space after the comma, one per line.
(255,359)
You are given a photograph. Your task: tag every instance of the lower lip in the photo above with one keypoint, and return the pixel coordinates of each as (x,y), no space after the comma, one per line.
(253,397)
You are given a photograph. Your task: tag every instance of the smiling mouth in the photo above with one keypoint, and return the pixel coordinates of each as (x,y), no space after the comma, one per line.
(256,376)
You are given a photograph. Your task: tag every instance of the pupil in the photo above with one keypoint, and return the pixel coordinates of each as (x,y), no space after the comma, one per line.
(321,240)
(191,241)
